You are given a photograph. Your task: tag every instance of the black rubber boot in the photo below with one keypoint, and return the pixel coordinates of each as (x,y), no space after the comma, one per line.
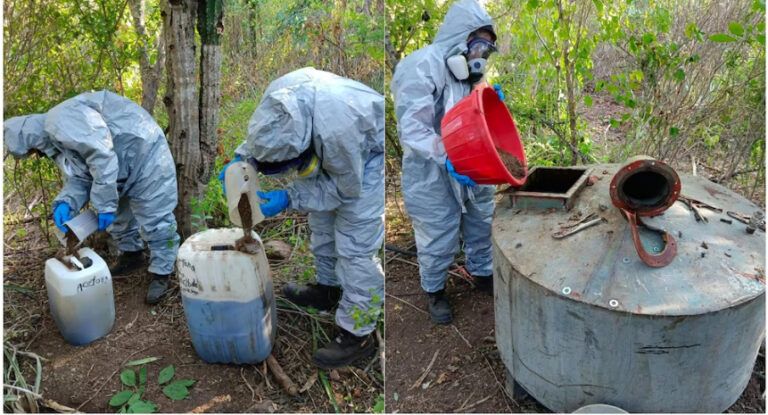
(484,284)
(439,308)
(344,350)
(319,296)
(157,288)
(128,262)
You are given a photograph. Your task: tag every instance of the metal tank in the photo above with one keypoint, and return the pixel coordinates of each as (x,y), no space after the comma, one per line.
(583,320)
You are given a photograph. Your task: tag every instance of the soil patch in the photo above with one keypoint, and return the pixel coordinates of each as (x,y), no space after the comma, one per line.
(467,373)
(514,166)
(87,377)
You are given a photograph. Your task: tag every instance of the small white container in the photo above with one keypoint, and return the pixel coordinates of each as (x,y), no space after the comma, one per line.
(81,299)
(227,297)
(241,178)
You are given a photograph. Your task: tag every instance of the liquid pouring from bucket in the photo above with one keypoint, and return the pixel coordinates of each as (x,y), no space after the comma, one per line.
(79,228)
(645,186)
(243,203)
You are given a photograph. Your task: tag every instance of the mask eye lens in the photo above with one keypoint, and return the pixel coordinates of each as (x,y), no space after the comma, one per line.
(480,48)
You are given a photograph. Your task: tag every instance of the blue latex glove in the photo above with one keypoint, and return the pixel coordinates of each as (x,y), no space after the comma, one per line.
(106,219)
(277,201)
(61,214)
(462,179)
(224,170)
(497,87)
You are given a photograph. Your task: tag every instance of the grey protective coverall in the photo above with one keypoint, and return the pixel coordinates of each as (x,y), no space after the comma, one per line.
(439,207)
(343,121)
(114,154)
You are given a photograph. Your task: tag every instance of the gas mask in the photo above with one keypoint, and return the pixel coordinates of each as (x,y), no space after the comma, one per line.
(479,50)
(470,65)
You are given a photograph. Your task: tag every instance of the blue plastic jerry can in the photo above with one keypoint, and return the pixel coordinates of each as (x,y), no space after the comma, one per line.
(228,298)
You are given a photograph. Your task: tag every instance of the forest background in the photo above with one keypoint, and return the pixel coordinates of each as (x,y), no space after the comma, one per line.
(224,55)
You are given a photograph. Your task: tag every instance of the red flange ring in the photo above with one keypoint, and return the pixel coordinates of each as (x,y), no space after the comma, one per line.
(645,186)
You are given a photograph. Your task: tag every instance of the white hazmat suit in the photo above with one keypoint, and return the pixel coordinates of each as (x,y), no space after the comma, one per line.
(439,207)
(343,121)
(114,154)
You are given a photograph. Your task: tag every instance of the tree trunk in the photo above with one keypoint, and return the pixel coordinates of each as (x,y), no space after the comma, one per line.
(150,74)
(210,26)
(183,105)
(570,92)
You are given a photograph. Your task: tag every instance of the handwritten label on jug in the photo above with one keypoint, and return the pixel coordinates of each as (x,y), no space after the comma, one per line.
(96,280)
(186,264)
(189,285)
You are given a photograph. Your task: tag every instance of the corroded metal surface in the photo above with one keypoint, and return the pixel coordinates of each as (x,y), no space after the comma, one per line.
(600,263)
(583,320)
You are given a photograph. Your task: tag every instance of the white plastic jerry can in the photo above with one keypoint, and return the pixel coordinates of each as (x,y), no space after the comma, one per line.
(241,179)
(227,297)
(81,297)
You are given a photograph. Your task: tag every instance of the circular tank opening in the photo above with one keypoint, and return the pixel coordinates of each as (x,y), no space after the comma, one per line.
(645,189)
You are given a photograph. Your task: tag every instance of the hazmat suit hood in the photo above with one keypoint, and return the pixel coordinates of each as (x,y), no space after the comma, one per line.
(26,132)
(281,127)
(463,18)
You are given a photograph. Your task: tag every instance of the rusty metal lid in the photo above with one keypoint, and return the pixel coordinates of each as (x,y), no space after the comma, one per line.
(718,265)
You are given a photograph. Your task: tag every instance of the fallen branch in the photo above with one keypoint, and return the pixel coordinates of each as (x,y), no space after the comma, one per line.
(281,377)
(462,336)
(208,405)
(455,274)
(426,372)
(406,302)
(58,407)
(466,408)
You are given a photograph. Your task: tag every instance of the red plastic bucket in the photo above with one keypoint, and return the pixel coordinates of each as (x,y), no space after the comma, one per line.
(472,131)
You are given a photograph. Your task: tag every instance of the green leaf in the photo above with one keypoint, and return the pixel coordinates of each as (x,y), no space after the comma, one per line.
(532,4)
(19,288)
(673,131)
(736,28)
(143,407)
(176,391)
(165,375)
(186,382)
(134,398)
(588,100)
(679,74)
(143,375)
(128,377)
(721,38)
(121,397)
(648,38)
(614,122)
(379,407)
(142,361)
(760,38)
(761,27)
(690,30)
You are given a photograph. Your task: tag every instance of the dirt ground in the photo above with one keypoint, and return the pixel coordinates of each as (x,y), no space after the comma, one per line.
(467,374)
(86,377)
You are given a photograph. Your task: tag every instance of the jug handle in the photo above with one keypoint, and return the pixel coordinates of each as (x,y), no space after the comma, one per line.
(76,262)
